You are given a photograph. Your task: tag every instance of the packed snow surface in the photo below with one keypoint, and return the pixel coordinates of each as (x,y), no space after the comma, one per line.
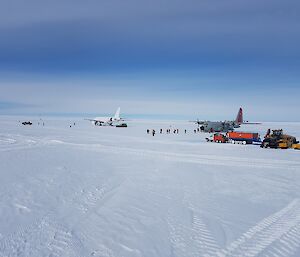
(113,192)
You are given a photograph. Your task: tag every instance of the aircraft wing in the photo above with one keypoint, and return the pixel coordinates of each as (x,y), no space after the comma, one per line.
(199,122)
(122,119)
(94,120)
(250,123)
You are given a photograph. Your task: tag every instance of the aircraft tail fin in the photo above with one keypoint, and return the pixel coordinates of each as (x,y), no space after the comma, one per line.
(117,114)
(239,118)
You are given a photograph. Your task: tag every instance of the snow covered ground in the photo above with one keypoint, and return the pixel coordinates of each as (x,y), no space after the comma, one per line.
(112,192)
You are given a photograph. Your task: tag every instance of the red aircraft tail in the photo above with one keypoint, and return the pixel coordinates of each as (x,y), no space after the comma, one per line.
(239,118)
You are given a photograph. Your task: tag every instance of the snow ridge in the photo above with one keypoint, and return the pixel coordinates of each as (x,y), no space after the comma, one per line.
(191,158)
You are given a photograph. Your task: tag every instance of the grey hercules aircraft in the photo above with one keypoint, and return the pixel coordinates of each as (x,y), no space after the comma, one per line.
(108,121)
(223,126)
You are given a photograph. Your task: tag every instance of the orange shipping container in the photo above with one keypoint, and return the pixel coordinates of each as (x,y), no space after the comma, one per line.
(242,135)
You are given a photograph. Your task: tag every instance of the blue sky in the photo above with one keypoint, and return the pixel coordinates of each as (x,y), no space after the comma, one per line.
(166,58)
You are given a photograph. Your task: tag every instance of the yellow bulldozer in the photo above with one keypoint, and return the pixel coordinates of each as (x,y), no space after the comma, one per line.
(277,139)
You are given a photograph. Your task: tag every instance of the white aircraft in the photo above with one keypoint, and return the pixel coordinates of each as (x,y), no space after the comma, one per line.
(107,121)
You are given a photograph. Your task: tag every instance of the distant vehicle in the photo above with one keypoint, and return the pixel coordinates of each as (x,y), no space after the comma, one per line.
(107,121)
(27,123)
(217,138)
(122,125)
(277,139)
(223,126)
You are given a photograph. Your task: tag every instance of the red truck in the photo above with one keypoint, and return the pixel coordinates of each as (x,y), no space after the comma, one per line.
(218,138)
(237,137)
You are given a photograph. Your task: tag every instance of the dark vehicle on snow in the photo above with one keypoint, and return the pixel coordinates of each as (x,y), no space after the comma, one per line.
(27,123)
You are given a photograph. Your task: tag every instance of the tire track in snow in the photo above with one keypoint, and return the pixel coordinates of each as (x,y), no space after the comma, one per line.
(48,237)
(9,142)
(90,200)
(177,238)
(42,238)
(61,241)
(97,195)
(287,245)
(16,243)
(102,251)
(276,235)
(206,245)
(204,241)
(191,239)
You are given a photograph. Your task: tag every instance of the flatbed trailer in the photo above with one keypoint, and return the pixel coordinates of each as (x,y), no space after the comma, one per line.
(238,137)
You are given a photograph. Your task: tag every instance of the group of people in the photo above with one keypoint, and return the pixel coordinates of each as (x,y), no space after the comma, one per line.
(168,131)
(197,130)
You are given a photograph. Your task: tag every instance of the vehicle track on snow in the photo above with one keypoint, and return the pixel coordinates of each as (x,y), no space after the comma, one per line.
(44,237)
(276,235)
(190,241)
(88,201)
(206,244)
(179,242)
(49,237)
(10,142)
(96,196)
(287,245)
(92,200)
(192,238)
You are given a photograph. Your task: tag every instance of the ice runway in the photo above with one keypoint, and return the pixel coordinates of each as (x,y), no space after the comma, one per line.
(111,192)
